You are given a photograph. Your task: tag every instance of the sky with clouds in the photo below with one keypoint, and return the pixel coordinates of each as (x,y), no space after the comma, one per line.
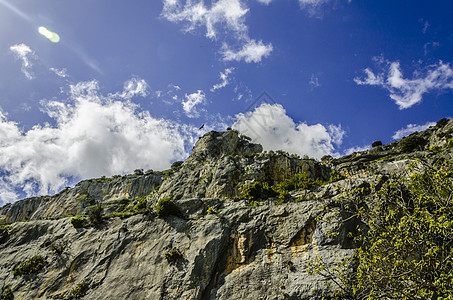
(94,88)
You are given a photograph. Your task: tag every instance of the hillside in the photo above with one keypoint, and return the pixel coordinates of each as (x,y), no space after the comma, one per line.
(223,234)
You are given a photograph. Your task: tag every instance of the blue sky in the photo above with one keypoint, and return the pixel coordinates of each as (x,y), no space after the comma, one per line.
(109,86)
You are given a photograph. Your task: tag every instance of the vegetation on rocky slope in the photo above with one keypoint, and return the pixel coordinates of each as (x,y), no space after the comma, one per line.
(406,250)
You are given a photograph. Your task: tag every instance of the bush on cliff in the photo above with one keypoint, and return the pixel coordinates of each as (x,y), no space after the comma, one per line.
(30,266)
(407,250)
(167,207)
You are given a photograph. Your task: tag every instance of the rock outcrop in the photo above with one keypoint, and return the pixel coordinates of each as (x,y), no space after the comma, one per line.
(221,246)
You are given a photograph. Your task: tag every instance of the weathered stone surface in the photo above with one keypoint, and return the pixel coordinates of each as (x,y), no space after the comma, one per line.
(237,251)
(74,201)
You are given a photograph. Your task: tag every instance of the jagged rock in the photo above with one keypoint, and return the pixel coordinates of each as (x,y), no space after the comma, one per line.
(226,248)
(222,163)
(75,201)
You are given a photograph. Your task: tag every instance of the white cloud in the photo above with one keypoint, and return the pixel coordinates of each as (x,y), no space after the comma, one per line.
(92,135)
(411,128)
(408,92)
(225,17)
(266,2)
(132,88)
(60,72)
(252,51)
(313,6)
(26,55)
(314,81)
(224,77)
(270,126)
(226,12)
(191,101)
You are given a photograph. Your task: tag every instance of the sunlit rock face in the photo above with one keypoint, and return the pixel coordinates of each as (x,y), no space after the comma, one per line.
(220,246)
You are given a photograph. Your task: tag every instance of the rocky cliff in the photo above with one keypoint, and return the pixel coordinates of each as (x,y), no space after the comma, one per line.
(220,244)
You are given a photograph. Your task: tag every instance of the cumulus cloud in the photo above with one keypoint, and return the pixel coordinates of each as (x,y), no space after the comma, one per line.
(224,80)
(226,17)
(132,88)
(411,128)
(23,53)
(270,126)
(195,14)
(408,92)
(191,102)
(92,135)
(252,51)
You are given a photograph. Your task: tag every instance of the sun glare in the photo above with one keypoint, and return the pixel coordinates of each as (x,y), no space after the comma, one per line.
(52,36)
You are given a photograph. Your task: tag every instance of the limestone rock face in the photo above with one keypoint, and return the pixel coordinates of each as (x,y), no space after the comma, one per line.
(222,163)
(240,253)
(220,246)
(75,201)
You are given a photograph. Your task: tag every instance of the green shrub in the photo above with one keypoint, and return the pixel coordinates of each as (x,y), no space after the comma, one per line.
(167,207)
(284,197)
(176,165)
(78,291)
(406,251)
(326,158)
(335,176)
(141,204)
(296,182)
(173,255)
(30,266)
(79,221)
(258,190)
(435,149)
(441,123)
(376,143)
(411,143)
(96,214)
(138,172)
(7,295)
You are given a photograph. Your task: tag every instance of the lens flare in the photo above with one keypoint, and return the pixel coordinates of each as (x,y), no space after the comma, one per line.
(52,36)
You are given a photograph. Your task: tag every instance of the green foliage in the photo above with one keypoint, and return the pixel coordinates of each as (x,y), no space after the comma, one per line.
(86,199)
(376,143)
(79,221)
(211,211)
(30,266)
(96,214)
(297,182)
(167,207)
(141,204)
(7,295)
(258,190)
(441,123)
(173,255)
(283,197)
(138,172)
(78,291)
(411,143)
(326,158)
(335,176)
(406,252)
(435,149)
(176,165)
